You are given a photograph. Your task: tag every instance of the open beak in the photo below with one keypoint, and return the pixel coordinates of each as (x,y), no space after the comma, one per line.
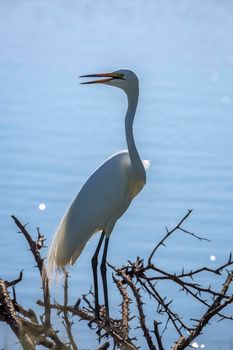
(107,77)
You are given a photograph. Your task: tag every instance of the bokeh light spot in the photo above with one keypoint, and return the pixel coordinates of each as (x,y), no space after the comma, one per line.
(42,206)
(213,257)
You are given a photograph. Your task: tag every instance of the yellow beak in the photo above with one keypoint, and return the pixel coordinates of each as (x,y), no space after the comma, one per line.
(107,76)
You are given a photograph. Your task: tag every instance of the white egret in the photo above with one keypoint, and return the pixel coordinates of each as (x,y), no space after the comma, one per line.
(105,196)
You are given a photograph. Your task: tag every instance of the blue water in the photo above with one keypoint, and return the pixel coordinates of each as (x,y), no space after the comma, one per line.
(55,132)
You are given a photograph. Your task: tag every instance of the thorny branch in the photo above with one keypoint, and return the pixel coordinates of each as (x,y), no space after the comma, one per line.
(125,311)
(68,324)
(135,281)
(174,229)
(35,247)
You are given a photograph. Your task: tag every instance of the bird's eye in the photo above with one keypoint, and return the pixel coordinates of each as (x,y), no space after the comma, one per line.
(119,76)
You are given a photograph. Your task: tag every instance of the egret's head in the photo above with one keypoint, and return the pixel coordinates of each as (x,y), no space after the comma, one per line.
(124,79)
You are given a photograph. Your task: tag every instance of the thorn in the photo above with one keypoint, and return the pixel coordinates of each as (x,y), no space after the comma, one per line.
(77,303)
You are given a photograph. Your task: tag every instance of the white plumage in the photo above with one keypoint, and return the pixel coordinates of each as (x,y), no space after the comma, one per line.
(112,187)
(109,190)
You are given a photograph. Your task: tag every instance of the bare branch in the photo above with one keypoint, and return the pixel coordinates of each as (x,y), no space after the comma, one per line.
(35,247)
(169,233)
(125,306)
(157,335)
(142,317)
(14,282)
(105,346)
(68,324)
(135,282)
(212,311)
(11,318)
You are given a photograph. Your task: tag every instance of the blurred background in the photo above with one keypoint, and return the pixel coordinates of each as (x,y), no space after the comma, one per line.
(55,132)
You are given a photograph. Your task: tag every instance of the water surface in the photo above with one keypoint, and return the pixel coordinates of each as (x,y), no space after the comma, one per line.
(54,132)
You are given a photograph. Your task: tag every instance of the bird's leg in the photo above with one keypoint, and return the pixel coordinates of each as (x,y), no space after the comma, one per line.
(104,277)
(94,263)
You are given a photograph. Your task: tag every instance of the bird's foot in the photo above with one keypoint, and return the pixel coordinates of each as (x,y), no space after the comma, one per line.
(95,320)
(100,318)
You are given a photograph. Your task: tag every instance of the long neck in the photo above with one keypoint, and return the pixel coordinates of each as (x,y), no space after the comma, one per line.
(136,162)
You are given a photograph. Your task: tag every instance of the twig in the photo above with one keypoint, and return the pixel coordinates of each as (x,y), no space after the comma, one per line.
(11,318)
(86,316)
(157,335)
(35,247)
(136,292)
(169,233)
(134,280)
(68,324)
(105,346)
(15,281)
(166,307)
(183,284)
(213,310)
(125,306)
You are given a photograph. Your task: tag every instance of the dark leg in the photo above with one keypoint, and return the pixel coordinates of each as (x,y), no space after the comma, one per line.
(94,263)
(104,277)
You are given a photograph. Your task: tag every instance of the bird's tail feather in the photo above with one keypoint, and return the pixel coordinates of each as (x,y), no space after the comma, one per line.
(61,252)
(53,268)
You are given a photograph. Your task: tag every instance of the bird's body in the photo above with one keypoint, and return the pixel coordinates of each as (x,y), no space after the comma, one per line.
(100,203)
(105,196)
